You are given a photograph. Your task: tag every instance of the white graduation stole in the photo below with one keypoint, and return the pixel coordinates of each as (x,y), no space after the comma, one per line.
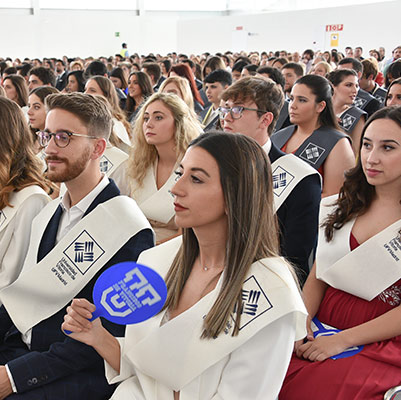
(269,292)
(156,204)
(367,270)
(112,158)
(43,289)
(16,199)
(287,172)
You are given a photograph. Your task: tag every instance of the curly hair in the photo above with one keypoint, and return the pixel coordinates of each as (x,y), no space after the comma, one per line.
(356,194)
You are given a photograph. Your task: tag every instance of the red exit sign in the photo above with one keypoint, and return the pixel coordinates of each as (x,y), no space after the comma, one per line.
(334,28)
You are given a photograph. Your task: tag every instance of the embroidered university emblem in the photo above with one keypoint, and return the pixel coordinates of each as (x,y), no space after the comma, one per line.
(380,98)
(281,179)
(347,121)
(105,164)
(312,153)
(254,302)
(83,252)
(359,102)
(2,218)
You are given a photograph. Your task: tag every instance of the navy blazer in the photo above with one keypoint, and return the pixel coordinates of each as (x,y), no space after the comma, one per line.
(58,367)
(298,219)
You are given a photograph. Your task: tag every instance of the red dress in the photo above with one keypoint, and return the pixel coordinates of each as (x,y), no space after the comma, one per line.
(364,376)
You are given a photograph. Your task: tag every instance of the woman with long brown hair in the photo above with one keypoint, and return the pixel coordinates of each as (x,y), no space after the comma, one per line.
(217,335)
(315,137)
(22,190)
(139,89)
(355,284)
(102,86)
(351,118)
(17,90)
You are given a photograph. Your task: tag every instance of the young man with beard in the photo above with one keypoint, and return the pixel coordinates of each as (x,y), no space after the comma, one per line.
(73,241)
(251,106)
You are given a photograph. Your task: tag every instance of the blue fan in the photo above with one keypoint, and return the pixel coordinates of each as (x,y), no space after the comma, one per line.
(128,293)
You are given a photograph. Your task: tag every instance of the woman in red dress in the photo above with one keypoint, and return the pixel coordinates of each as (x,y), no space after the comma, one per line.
(363,298)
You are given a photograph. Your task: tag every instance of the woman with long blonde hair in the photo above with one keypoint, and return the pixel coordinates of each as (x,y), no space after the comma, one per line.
(22,189)
(162,132)
(232,310)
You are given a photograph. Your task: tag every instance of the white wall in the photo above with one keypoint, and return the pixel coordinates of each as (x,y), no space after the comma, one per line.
(296,30)
(52,33)
(83,33)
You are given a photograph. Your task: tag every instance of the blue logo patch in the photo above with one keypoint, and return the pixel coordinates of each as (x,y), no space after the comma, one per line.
(83,252)
(281,179)
(254,302)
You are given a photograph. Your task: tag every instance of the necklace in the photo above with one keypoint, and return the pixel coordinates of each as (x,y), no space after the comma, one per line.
(206,268)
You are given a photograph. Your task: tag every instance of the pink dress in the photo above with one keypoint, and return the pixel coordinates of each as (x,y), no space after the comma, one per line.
(364,376)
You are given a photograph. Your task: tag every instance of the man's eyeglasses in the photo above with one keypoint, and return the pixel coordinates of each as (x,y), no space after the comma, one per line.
(236,111)
(62,138)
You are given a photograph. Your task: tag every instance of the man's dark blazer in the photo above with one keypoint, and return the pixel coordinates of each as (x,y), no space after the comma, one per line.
(61,81)
(212,125)
(58,367)
(298,219)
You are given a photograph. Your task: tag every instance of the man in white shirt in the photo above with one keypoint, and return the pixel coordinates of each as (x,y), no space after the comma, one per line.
(39,361)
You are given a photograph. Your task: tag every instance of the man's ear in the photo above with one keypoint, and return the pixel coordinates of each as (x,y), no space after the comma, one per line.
(266,119)
(100,147)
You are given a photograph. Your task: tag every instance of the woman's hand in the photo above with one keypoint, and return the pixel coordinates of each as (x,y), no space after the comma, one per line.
(309,336)
(77,321)
(322,347)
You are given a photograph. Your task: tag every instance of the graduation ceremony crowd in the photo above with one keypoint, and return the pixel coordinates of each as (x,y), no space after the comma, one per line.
(265,188)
